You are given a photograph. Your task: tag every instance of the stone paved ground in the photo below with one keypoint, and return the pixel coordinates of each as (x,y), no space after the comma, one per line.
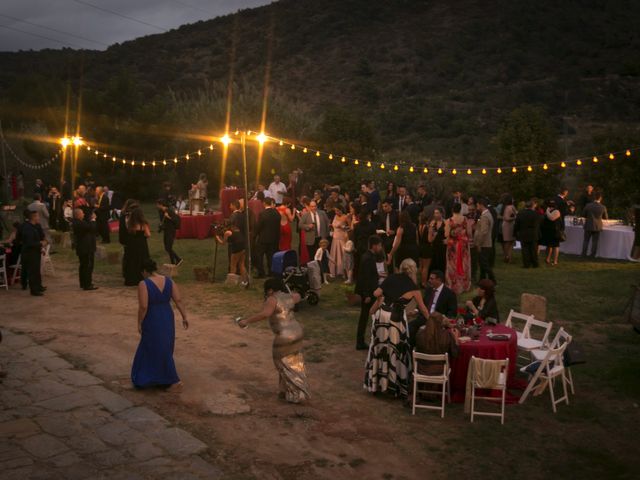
(57,422)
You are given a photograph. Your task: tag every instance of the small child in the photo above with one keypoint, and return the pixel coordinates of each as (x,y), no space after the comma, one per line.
(347,260)
(322,257)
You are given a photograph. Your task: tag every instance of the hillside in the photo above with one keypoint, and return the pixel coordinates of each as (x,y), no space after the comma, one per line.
(406,78)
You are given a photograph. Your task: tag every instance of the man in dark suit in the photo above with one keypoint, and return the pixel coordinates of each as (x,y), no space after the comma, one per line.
(437,298)
(527,230)
(103,211)
(267,235)
(170,225)
(400,201)
(366,284)
(387,223)
(561,204)
(413,208)
(594,213)
(33,241)
(84,232)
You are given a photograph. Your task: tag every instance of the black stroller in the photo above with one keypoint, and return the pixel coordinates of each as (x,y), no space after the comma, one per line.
(296,279)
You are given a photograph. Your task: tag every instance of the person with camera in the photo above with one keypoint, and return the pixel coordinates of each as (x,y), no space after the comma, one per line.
(231,234)
(84,232)
(169,224)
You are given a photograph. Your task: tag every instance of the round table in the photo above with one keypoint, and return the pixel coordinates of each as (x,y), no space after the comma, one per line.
(483,348)
(616,241)
(198,226)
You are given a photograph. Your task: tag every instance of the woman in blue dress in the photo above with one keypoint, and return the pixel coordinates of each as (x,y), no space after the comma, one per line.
(153,364)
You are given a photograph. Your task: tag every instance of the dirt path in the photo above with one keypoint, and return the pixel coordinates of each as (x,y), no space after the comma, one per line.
(229,400)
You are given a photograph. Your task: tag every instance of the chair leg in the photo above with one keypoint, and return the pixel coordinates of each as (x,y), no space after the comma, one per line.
(449,390)
(570,380)
(415,387)
(564,388)
(442,406)
(553,400)
(473,401)
(504,394)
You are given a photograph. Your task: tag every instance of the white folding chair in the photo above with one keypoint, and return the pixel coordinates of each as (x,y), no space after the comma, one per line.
(17,270)
(4,282)
(441,379)
(560,338)
(546,371)
(521,320)
(47,264)
(501,384)
(527,342)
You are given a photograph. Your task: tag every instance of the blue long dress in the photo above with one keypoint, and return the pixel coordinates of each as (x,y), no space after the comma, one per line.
(153,364)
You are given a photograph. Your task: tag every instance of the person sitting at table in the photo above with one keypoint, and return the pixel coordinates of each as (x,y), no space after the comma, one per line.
(436,337)
(484,304)
(437,298)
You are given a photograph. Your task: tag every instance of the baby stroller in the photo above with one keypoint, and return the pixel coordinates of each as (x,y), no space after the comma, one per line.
(296,279)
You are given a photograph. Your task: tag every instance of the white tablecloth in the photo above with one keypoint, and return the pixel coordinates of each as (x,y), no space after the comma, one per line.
(616,241)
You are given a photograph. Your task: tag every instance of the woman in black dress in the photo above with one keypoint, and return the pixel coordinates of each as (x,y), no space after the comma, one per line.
(551,231)
(405,243)
(437,240)
(388,367)
(426,250)
(136,247)
(484,304)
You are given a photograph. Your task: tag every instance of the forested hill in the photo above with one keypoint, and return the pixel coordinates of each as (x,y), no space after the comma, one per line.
(403,77)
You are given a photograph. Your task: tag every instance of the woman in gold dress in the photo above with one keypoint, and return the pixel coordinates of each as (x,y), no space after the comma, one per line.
(287,344)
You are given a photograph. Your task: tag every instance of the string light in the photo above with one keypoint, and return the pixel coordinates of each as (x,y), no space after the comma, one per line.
(578,162)
(499,170)
(369,164)
(293,147)
(175,160)
(144,164)
(454,172)
(133,163)
(153,164)
(343,159)
(468,171)
(529,169)
(356,162)
(411,169)
(113,159)
(64,141)
(199,153)
(164,163)
(563,165)
(628,153)
(484,171)
(186,156)
(514,170)
(124,162)
(611,156)
(395,168)
(211,147)
(261,138)
(317,153)
(305,150)
(281,143)
(331,156)
(426,170)
(545,167)
(439,171)
(595,159)
(382,166)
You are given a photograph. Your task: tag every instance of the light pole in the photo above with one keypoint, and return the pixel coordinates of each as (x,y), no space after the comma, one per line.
(243,142)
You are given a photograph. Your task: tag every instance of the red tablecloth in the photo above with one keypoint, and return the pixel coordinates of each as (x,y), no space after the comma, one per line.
(484,348)
(226,197)
(198,226)
(114,226)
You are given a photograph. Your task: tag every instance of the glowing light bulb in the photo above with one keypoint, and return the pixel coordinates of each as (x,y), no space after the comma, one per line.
(499,170)
(439,171)
(426,170)
(186,156)
(281,143)
(211,147)
(77,141)
(64,141)
(164,162)
(454,172)
(595,159)
(113,159)
(468,171)
(484,171)
(545,167)
(356,162)
(343,160)
(514,170)
(369,164)
(175,160)
(529,168)
(578,162)
(411,169)
(153,164)
(382,166)
(628,153)
(611,156)
(199,152)
(133,163)
(563,165)
(105,155)
(96,152)
(305,150)
(331,156)
(395,168)
(261,138)
(225,140)
(317,153)
(144,164)
(124,162)
(293,147)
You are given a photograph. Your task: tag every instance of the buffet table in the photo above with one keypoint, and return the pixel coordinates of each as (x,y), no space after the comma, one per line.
(226,197)
(198,226)
(616,241)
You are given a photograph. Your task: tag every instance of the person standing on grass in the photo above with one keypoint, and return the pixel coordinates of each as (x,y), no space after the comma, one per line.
(482,238)
(366,284)
(594,212)
(527,231)
(170,224)
(103,213)
(84,232)
(153,364)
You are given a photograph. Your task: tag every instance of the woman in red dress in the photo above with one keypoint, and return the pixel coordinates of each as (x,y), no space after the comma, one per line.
(458,234)
(286,217)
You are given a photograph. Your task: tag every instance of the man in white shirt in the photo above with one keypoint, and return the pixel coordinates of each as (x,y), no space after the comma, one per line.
(277,190)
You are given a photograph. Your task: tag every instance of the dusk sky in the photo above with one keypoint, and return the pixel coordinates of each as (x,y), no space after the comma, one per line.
(96,24)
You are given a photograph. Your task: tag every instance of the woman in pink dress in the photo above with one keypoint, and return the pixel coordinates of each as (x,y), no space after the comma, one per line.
(458,234)
(286,217)
(340,226)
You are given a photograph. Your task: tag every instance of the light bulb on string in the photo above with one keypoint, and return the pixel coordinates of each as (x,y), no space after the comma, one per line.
(124,162)
(186,156)
(382,166)
(499,171)
(628,153)
(331,156)
(356,162)
(175,160)
(484,171)
(305,150)
(281,143)
(133,163)
(439,171)
(211,146)
(369,164)
(514,170)
(563,165)
(395,168)
(578,162)
(261,138)
(343,160)
(225,139)
(425,170)
(468,171)
(595,159)
(317,153)
(199,152)
(96,152)
(529,168)
(164,163)
(545,167)
(611,156)
(144,164)
(153,164)
(113,159)
(411,169)
(293,147)
(64,141)
(454,172)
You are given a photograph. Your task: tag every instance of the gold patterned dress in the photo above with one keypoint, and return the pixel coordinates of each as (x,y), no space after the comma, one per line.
(287,350)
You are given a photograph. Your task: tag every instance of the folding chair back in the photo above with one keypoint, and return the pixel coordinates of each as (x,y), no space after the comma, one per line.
(438,378)
(4,282)
(541,328)
(476,364)
(517,321)
(17,270)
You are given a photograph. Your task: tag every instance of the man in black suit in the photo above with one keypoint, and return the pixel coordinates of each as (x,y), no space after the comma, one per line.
(366,284)
(84,232)
(33,241)
(594,213)
(400,201)
(437,298)
(561,204)
(527,231)
(103,211)
(170,225)
(267,235)
(387,223)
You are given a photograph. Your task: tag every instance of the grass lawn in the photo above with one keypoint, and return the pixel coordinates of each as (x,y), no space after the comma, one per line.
(590,438)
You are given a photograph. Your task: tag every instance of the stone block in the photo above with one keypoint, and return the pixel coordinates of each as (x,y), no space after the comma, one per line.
(118,433)
(77,378)
(179,443)
(144,451)
(19,428)
(67,402)
(60,424)
(37,352)
(143,419)
(535,305)
(111,401)
(43,446)
(55,363)
(43,389)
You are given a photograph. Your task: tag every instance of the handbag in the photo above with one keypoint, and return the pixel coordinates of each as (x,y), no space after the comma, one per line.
(573,354)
